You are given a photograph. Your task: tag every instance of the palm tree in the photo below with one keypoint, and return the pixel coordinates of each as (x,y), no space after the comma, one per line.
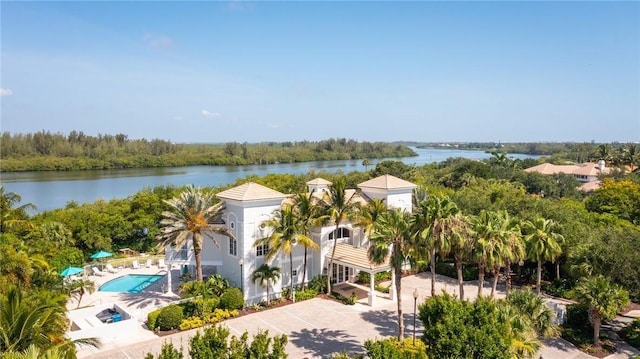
(366,163)
(368,215)
(12,217)
(460,241)
(391,239)
(80,287)
(191,219)
(484,245)
(603,298)
(512,247)
(308,213)
(286,232)
(542,244)
(266,274)
(339,207)
(33,320)
(436,221)
(528,318)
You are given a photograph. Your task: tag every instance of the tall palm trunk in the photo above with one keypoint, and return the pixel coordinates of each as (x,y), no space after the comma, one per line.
(539,277)
(480,278)
(596,329)
(558,269)
(433,272)
(398,272)
(460,279)
(333,253)
(496,274)
(507,274)
(304,267)
(197,253)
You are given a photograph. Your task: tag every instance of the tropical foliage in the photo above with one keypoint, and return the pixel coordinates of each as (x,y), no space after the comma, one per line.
(190,221)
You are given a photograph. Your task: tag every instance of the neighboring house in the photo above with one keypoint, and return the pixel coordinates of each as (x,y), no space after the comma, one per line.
(587,173)
(249,205)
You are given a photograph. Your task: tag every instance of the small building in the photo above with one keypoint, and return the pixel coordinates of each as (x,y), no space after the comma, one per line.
(248,206)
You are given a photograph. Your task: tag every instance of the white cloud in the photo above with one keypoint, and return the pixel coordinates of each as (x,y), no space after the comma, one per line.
(206,113)
(6,92)
(161,42)
(275,125)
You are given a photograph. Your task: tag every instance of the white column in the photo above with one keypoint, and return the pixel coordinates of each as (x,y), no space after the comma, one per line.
(372,294)
(169,265)
(392,289)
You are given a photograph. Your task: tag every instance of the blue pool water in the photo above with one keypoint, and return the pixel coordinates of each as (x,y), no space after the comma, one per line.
(130,283)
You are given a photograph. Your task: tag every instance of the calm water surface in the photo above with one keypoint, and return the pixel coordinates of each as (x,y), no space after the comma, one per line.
(49,190)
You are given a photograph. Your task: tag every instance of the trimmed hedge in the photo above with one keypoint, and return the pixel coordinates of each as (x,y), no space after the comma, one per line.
(232,299)
(170,317)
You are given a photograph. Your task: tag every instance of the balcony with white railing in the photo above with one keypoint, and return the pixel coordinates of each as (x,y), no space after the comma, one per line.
(180,256)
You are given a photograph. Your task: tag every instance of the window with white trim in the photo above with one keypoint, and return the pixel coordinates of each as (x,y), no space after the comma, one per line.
(343,232)
(261,251)
(233,247)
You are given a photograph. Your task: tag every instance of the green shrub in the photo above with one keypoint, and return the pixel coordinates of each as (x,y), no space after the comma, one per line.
(343,299)
(449,270)
(319,283)
(232,298)
(170,317)
(559,287)
(219,315)
(191,323)
(152,318)
(393,349)
(577,316)
(363,277)
(168,351)
(194,307)
(306,294)
(382,288)
(631,333)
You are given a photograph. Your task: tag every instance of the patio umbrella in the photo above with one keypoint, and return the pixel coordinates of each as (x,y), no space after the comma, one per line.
(101,254)
(71,271)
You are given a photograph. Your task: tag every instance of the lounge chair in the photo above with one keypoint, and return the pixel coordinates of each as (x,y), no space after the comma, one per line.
(161,264)
(110,269)
(148,263)
(98,272)
(135,265)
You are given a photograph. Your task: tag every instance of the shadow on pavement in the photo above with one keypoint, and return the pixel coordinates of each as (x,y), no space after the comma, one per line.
(322,342)
(386,323)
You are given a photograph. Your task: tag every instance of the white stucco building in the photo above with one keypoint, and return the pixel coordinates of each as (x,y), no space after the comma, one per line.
(249,205)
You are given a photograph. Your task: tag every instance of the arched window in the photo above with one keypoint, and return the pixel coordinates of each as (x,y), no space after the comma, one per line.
(343,233)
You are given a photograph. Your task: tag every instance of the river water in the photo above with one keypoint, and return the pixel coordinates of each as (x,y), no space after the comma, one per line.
(51,189)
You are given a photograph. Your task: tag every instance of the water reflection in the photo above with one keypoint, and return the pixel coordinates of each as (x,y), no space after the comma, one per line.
(52,189)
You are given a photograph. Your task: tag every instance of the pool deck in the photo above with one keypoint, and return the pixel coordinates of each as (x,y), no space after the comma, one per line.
(138,305)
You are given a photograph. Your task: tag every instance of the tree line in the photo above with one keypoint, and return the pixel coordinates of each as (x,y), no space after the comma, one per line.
(46,151)
(597,235)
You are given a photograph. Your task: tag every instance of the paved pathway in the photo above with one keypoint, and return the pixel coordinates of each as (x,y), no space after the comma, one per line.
(318,328)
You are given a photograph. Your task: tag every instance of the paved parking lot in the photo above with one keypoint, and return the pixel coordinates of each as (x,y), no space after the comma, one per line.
(318,328)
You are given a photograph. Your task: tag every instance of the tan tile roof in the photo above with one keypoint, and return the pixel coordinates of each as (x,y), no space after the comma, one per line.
(587,169)
(319,182)
(250,192)
(550,169)
(357,257)
(387,182)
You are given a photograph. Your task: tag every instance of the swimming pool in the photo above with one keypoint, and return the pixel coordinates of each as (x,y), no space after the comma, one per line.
(130,283)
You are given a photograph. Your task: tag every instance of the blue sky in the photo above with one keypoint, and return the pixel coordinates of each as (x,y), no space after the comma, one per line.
(288,71)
